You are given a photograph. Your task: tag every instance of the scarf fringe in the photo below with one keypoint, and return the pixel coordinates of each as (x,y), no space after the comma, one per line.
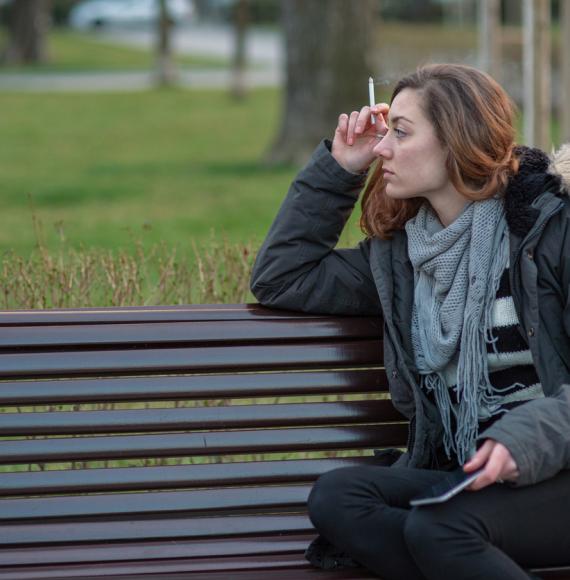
(488,253)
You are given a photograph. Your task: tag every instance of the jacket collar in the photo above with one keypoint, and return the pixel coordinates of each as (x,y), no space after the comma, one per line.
(537,174)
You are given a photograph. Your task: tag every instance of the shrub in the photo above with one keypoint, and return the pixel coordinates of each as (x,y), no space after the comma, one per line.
(215,272)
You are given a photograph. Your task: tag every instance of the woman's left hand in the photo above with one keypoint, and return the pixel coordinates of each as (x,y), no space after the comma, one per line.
(497,462)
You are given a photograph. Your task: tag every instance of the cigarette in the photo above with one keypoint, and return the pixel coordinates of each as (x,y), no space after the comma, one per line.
(371,97)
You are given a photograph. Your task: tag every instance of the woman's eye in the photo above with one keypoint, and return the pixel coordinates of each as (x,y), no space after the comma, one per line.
(399,133)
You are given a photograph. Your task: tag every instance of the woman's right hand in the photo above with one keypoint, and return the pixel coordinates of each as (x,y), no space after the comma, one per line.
(356,136)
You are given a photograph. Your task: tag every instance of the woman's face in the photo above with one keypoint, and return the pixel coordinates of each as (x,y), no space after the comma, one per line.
(413,158)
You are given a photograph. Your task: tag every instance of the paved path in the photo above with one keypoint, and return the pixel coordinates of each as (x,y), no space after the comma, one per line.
(264,52)
(128,81)
(263,45)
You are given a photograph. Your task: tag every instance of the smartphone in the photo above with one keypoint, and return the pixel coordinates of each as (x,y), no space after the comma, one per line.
(450,485)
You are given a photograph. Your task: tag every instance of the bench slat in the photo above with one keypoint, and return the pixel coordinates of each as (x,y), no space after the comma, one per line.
(223,359)
(114,552)
(147,388)
(150,529)
(227,565)
(204,443)
(299,574)
(124,536)
(185,332)
(260,573)
(192,387)
(223,417)
(138,314)
(179,476)
(212,501)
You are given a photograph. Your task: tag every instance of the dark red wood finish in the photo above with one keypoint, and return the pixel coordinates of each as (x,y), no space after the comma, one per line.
(178,442)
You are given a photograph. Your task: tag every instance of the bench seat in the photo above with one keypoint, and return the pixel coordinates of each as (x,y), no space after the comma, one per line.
(180,442)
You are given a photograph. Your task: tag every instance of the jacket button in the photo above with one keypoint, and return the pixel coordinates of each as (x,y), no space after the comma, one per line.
(394,374)
(529,254)
(531,331)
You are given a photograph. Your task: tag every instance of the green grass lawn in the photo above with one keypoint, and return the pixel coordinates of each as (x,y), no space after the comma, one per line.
(165,165)
(168,165)
(73,51)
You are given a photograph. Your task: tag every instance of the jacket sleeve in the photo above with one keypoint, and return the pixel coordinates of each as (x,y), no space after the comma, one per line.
(537,434)
(297,266)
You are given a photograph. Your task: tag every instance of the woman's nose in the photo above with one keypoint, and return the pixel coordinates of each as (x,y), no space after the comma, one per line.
(383,148)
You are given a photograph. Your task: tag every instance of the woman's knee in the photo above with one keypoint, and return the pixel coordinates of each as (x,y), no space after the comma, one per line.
(326,496)
(426,539)
(420,530)
(430,533)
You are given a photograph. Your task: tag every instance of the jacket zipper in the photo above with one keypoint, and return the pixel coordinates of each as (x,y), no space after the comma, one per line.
(532,234)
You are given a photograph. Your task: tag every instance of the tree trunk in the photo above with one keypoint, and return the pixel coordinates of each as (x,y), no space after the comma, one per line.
(512,12)
(565,66)
(241,21)
(537,74)
(28,32)
(165,68)
(460,12)
(489,37)
(328,55)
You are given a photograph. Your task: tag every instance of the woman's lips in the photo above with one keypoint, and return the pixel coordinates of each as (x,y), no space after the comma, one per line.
(387,172)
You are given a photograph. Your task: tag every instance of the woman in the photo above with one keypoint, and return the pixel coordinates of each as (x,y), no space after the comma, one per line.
(467,257)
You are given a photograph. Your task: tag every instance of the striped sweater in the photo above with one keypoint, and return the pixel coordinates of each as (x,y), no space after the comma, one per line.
(510,364)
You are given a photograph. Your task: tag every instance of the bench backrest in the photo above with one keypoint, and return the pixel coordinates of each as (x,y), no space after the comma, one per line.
(136,436)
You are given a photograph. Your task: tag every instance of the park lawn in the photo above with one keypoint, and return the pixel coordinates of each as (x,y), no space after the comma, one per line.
(173,166)
(166,165)
(72,51)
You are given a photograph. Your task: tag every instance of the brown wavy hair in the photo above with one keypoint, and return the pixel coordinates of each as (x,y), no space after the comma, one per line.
(473,119)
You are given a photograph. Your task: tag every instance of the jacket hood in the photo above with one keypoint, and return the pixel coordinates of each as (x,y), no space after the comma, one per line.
(560,165)
(537,173)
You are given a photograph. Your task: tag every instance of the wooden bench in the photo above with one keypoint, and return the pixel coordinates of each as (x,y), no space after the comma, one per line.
(180,442)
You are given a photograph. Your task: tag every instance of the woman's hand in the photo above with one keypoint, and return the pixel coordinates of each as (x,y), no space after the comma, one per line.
(356,136)
(498,463)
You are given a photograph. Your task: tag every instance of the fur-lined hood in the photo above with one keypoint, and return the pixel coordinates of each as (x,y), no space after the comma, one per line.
(560,165)
(537,173)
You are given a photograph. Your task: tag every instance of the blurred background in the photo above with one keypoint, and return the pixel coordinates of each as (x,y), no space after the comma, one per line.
(146,145)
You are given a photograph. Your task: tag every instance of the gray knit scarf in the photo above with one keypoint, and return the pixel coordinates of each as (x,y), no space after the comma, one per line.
(457,271)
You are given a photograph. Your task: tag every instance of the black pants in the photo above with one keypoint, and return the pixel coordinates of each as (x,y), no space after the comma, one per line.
(491,533)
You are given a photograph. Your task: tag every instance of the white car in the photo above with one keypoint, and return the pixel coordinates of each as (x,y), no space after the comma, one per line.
(98,13)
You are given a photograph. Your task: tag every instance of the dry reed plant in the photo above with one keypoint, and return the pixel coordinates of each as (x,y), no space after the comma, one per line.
(213,272)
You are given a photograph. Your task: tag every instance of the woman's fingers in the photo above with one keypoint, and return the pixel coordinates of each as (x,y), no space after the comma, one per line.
(493,469)
(342,126)
(498,463)
(359,122)
(355,138)
(363,120)
(481,457)
(381,111)
(352,127)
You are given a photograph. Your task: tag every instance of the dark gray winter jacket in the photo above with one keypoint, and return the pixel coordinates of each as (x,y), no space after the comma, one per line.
(298,268)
